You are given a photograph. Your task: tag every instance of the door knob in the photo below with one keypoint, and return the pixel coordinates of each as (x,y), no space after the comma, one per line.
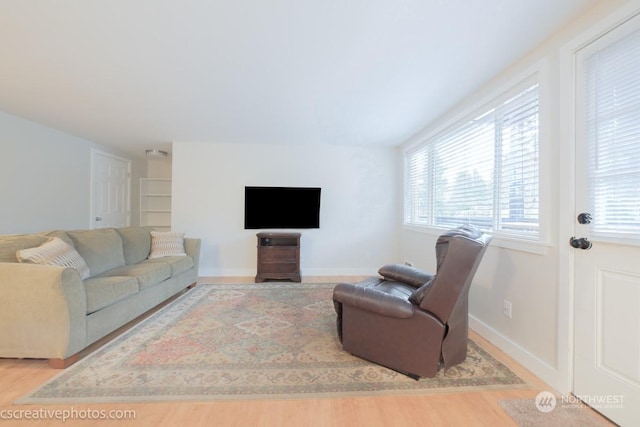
(580,243)
(584,218)
(98,218)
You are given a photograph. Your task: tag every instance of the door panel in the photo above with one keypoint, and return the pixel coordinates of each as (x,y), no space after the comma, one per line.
(110,198)
(617,333)
(607,331)
(607,272)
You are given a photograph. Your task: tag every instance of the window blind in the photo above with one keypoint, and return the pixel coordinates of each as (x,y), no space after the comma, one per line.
(612,110)
(417,206)
(482,171)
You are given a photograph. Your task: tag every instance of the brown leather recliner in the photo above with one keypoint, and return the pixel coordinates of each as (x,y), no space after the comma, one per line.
(409,320)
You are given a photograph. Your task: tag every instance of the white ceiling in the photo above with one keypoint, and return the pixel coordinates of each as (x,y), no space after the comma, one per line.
(139,74)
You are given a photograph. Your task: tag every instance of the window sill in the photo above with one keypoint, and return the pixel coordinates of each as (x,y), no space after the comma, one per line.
(501,241)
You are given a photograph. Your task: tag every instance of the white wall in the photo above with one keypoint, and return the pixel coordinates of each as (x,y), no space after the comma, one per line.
(159,168)
(532,277)
(45,177)
(360,206)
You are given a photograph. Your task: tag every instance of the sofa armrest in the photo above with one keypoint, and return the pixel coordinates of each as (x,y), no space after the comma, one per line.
(371,299)
(42,311)
(192,248)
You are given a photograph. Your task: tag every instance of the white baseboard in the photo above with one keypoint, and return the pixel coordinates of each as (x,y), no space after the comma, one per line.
(251,272)
(227,272)
(337,272)
(539,368)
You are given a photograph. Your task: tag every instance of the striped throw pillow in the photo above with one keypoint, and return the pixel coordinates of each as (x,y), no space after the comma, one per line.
(55,251)
(166,243)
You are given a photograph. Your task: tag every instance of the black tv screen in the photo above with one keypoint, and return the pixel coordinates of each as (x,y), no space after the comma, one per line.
(281,207)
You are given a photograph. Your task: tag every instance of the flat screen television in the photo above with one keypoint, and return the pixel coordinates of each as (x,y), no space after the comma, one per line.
(281,207)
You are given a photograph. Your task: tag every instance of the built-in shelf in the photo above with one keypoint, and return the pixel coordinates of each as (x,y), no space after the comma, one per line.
(155,203)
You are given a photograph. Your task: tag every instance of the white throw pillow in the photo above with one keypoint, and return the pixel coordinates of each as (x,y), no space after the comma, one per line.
(55,251)
(166,243)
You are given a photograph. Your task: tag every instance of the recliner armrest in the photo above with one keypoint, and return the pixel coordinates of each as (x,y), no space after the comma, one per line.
(369,298)
(405,274)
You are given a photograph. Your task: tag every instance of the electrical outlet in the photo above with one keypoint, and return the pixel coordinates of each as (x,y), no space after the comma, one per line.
(506,308)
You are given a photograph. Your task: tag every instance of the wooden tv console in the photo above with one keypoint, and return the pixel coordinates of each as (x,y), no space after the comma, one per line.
(278,257)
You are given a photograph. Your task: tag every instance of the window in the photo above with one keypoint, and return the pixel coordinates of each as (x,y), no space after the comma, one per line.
(481,171)
(610,91)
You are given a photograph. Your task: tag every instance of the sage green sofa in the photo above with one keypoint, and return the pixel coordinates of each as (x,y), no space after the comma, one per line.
(50,312)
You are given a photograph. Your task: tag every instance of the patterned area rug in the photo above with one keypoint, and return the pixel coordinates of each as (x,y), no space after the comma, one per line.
(266,341)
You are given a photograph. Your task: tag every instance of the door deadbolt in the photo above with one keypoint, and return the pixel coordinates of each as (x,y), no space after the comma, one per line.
(584,218)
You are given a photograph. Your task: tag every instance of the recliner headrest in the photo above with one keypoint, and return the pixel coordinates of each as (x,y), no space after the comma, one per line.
(442,243)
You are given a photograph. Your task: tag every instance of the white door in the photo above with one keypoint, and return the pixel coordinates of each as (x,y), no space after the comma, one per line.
(110,189)
(607,274)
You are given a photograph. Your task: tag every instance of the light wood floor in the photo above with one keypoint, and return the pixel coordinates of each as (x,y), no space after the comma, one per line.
(18,377)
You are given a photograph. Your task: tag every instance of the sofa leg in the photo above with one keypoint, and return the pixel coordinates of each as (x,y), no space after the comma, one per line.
(63,363)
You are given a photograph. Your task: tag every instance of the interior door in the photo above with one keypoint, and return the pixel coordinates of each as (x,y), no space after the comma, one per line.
(607,230)
(110,190)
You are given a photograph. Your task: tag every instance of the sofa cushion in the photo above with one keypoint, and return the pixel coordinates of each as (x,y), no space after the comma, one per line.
(136,243)
(104,291)
(10,245)
(147,274)
(55,251)
(101,248)
(60,234)
(179,264)
(166,243)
